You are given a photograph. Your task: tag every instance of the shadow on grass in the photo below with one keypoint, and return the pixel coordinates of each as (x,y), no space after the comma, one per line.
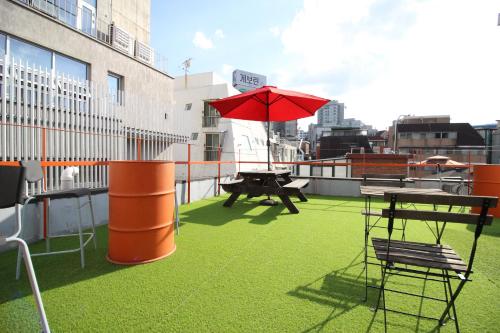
(214,214)
(339,289)
(488,230)
(56,270)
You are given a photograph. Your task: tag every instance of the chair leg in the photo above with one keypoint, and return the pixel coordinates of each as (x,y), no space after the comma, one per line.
(47,225)
(34,284)
(92,218)
(80,235)
(454,309)
(18,264)
(383,298)
(451,303)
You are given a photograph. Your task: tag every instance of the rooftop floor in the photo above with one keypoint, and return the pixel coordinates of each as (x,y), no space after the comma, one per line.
(248,268)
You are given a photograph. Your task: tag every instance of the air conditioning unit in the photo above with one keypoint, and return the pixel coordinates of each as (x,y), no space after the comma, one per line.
(121,40)
(144,53)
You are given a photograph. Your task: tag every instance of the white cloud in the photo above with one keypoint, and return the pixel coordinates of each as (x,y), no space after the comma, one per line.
(202,41)
(385,58)
(219,33)
(227,69)
(275,31)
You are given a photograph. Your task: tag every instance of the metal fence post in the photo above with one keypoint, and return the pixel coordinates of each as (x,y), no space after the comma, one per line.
(218,169)
(189,174)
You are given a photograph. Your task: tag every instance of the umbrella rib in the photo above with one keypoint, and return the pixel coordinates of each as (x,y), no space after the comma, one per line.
(258,100)
(288,99)
(277,99)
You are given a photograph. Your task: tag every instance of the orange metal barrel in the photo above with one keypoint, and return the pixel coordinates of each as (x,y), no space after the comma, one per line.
(141,210)
(487,182)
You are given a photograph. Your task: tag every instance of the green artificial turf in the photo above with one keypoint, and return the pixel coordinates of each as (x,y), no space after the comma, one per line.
(248,268)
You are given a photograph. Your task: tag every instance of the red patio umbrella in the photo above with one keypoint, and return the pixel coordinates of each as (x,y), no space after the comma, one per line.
(269,104)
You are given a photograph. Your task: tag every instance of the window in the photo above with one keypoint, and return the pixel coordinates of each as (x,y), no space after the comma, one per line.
(30,53)
(212,142)
(38,56)
(194,136)
(188,106)
(66,11)
(210,115)
(444,135)
(73,68)
(115,87)
(437,135)
(2,45)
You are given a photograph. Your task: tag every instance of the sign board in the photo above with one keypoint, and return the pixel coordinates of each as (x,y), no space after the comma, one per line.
(245,81)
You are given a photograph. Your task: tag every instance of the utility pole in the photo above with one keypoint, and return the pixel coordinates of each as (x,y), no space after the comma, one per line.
(185,67)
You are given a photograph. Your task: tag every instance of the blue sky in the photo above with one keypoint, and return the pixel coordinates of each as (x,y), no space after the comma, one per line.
(244,42)
(382,58)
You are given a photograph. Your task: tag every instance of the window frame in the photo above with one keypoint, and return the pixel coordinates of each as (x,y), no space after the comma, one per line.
(118,100)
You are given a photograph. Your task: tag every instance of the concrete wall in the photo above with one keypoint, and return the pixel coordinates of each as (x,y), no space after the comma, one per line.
(132,16)
(139,79)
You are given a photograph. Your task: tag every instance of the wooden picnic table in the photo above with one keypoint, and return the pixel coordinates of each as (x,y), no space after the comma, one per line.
(378,191)
(264,182)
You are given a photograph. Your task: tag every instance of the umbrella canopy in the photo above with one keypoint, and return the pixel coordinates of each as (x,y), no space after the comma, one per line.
(269,104)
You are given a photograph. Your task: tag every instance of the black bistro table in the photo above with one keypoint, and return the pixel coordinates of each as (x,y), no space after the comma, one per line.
(264,182)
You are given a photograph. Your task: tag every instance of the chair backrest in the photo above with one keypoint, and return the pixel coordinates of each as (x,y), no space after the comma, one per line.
(389,180)
(34,171)
(482,202)
(481,219)
(12,186)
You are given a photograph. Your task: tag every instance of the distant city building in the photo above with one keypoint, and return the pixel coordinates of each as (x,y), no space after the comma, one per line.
(331,114)
(424,138)
(487,131)
(302,135)
(287,129)
(352,122)
(348,141)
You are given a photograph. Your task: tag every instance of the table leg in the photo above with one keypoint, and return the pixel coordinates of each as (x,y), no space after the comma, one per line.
(302,197)
(229,202)
(288,204)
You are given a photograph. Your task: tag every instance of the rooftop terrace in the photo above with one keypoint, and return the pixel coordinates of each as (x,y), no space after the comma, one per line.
(248,269)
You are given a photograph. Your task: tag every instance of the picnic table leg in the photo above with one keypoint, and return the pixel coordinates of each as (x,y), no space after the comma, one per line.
(229,202)
(302,197)
(288,204)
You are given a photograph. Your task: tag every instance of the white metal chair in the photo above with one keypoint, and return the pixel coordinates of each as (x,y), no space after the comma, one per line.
(34,174)
(12,195)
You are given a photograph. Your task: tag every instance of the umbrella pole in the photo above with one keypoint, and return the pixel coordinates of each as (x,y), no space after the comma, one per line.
(268,144)
(268,201)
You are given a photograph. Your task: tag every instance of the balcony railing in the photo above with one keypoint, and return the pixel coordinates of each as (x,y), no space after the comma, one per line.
(84,19)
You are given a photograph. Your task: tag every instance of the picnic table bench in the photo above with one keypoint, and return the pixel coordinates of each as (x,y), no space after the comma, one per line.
(263,182)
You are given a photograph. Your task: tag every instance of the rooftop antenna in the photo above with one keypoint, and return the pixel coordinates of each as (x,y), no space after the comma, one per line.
(185,67)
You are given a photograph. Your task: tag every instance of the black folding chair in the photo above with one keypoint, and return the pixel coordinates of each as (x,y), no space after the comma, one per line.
(12,195)
(434,261)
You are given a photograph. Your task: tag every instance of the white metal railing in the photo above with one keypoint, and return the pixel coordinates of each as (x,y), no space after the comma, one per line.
(55,118)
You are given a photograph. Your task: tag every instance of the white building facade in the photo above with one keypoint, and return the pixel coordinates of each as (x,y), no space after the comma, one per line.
(213,137)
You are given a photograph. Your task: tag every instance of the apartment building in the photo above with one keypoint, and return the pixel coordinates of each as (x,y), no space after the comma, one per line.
(79,81)
(459,141)
(331,114)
